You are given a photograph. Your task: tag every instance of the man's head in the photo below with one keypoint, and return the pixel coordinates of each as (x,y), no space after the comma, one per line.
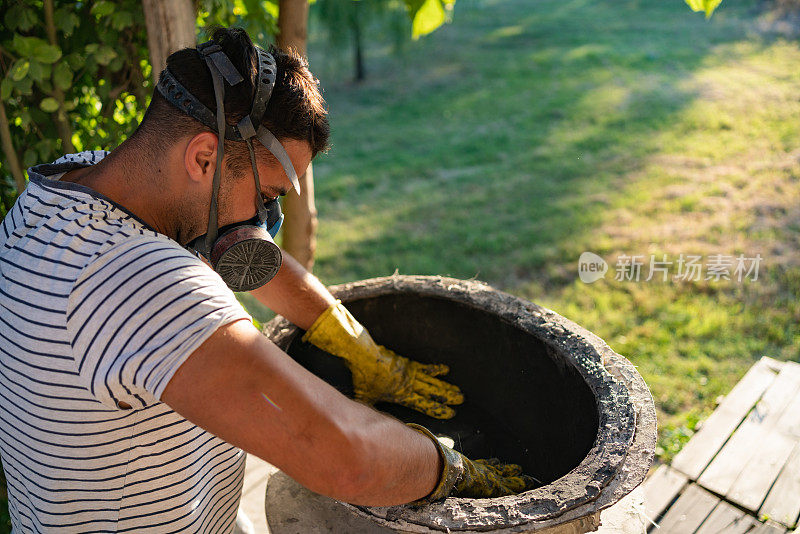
(295,114)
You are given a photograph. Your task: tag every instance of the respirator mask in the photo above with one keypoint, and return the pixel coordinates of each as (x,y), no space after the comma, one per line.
(244,254)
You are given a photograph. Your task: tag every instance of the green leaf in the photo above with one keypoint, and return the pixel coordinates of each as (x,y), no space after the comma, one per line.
(91,48)
(66,20)
(5,89)
(105,54)
(49,104)
(25,86)
(75,61)
(46,86)
(272,9)
(19,70)
(121,20)
(25,119)
(706,6)
(428,17)
(102,8)
(24,45)
(20,17)
(38,71)
(29,158)
(62,76)
(103,92)
(46,53)
(37,116)
(115,64)
(13,17)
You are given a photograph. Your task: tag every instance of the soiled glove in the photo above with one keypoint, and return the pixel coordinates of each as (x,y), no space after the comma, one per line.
(462,477)
(378,373)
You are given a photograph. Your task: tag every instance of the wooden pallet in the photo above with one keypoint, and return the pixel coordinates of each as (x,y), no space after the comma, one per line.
(742,465)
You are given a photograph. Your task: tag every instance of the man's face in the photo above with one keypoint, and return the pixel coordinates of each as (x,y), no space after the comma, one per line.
(237,195)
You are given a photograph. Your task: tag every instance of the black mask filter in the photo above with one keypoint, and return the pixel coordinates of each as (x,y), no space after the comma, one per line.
(244,254)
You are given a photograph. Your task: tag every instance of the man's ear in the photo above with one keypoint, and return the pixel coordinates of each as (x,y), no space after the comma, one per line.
(200,157)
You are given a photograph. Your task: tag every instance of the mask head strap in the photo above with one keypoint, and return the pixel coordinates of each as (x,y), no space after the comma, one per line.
(221,68)
(265,82)
(177,95)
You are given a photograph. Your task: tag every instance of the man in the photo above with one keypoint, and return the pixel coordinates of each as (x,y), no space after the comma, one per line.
(132,381)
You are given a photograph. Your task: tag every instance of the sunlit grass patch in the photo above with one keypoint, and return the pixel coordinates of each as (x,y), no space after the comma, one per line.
(506,144)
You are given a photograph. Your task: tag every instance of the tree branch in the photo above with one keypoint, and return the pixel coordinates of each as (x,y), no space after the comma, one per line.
(137,77)
(8,54)
(64,130)
(8,149)
(111,102)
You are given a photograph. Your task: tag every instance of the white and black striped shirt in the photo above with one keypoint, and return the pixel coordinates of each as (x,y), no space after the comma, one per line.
(97,309)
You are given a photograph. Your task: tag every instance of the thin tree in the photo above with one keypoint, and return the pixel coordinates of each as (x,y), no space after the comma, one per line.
(299,235)
(170,27)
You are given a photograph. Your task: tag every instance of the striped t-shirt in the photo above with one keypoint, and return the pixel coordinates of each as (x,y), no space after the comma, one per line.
(97,312)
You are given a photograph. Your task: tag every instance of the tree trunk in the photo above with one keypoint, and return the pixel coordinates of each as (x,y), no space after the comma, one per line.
(359,56)
(170,27)
(299,234)
(10,152)
(62,122)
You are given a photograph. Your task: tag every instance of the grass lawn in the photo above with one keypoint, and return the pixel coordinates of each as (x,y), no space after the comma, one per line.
(507,143)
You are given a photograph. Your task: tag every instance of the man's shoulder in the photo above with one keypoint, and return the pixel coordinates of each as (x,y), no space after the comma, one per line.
(74,230)
(140,255)
(69,206)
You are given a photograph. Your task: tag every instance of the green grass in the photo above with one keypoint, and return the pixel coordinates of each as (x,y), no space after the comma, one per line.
(504,145)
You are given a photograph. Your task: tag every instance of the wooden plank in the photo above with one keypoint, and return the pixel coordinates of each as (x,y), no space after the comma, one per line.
(768,528)
(660,489)
(783,501)
(688,512)
(728,465)
(746,525)
(704,445)
(774,448)
(726,518)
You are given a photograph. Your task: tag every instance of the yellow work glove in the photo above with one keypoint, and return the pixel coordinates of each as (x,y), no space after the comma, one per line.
(462,477)
(378,373)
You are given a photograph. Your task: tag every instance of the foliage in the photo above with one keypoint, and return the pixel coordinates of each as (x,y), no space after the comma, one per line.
(355,26)
(343,20)
(336,16)
(427,15)
(81,79)
(258,17)
(76,81)
(706,6)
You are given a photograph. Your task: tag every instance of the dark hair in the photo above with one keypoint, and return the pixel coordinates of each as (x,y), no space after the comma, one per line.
(296,109)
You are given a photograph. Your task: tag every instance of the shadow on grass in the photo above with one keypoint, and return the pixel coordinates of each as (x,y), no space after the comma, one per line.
(496,149)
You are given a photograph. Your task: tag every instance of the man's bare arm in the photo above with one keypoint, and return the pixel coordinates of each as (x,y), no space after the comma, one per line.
(378,372)
(295,293)
(241,387)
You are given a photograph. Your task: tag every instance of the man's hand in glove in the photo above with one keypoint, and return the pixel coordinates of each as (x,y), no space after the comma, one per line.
(462,477)
(378,373)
